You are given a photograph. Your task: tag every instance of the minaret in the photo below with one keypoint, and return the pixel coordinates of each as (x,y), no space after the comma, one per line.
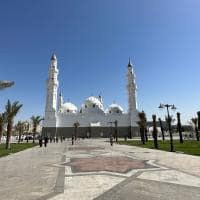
(52,87)
(132,96)
(60,101)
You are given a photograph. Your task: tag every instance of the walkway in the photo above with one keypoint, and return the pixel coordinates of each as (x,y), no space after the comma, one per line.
(92,169)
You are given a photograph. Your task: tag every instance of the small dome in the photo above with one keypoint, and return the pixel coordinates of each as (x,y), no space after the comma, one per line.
(115,108)
(68,108)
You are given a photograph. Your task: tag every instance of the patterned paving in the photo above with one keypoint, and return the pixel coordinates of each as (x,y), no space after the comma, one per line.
(85,148)
(120,164)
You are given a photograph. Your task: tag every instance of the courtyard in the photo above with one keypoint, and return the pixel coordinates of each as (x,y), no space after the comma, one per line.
(92,169)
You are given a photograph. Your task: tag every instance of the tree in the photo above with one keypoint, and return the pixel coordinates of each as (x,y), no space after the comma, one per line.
(162,129)
(142,125)
(198,114)
(169,119)
(36,122)
(179,127)
(5,84)
(11,112)
(155,131)
(2,123)
(195,122)
(20,128)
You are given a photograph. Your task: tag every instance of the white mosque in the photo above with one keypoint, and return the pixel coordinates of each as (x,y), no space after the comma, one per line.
(91,119)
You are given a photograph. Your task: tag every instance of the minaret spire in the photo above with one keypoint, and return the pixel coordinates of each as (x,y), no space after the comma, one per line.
(54,60)
(53,57)
(52,89)
(132,96)
(129,63)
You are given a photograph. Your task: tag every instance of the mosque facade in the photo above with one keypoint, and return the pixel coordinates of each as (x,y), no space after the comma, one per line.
(91,119)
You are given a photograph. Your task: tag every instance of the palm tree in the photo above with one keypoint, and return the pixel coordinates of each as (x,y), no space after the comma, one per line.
(5,84)
(179,127)
(36,122)
(20,128)
(11,112)
(161,128)
(2,123)
(142,125)
(198,114)
(195,122)
(155,131)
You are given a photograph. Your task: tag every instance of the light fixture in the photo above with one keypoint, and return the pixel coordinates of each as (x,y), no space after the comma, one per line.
(161,106)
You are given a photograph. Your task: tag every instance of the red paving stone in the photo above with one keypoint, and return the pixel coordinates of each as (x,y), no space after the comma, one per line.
(85,148)
(111,164)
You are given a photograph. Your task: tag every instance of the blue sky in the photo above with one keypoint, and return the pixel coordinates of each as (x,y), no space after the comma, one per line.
(93,41)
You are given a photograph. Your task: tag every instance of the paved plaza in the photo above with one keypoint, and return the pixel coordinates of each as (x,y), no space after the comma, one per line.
(92,169)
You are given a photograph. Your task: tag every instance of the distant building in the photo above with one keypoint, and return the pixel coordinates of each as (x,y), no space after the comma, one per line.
(91,119)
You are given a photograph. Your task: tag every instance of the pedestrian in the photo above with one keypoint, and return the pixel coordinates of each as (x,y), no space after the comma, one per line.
(56,139)
(73,140)
(46,141)
(125,138)
(51,139)
(111,140)
(40,141)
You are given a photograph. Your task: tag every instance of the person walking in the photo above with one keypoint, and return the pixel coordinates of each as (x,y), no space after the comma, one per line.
(73,140)
(45,141)
(40,141)
(111,140)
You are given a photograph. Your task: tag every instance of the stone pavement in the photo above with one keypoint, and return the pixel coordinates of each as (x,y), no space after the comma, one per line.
(92,169)
(30,174)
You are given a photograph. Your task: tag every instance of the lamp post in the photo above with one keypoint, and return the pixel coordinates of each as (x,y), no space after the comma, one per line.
(169,122)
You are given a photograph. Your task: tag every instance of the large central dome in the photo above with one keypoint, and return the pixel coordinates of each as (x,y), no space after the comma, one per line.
(92,104)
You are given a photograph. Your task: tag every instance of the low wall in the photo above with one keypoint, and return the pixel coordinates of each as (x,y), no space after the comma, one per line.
(90,131)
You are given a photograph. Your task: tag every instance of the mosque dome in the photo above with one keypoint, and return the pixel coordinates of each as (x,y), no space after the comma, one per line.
(115,108)
(68,108)
(92,104)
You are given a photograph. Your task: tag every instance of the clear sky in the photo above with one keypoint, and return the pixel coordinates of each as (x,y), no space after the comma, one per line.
(93,40)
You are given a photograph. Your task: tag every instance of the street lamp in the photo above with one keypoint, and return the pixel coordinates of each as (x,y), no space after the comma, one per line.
(162,106)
